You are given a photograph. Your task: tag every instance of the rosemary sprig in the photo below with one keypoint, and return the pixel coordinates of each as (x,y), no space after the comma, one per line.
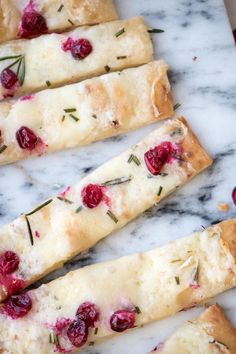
(76,119)
(39,207)
(177,280)
(121,57)
(60,8)
(29,231)
(160,190)
(133,158)
(176,106)
(3,148)
(14,63)
(21,70)
(65,200)
(70,110)
(112,216)
(120,32)
(156,30)
(10,57)
(107,68)
(116,181)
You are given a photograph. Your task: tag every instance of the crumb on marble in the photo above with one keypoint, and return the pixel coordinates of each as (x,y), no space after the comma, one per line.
(224,207)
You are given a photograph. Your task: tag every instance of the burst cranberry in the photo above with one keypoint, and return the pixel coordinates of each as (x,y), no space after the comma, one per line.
(234,195)
(81,48)
(122,320)
(8,78)
(88,312)
(9,262)
(26,138)
(17,306)
(156,158)
(77,333)
(92,195)
(32,24)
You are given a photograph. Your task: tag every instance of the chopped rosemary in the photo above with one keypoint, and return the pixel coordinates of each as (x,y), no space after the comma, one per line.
(156,30)
(3,148)
(177,131)
(133,158)
(39,207)
(91,344)
(176,260)
(107,68)
(65,200)
(96,331)
(60,8)
(70,110)
(162,174)
(71,22)
(63,118)
(78,210)
(177,280)
(94,116)
(121,57)
(58,307)
(160,190)
(10,57)
(116,181)
(48,83)
(76,119)
(53,338)
(218,342)
(137,309)
(112,216)
(30,231)
(176,106)
(120,32)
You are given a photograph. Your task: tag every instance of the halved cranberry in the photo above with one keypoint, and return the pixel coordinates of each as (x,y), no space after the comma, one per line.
(156,158)
(81,48)
(122,320)
(9,262)
(26,138)
(89,313)
(32,24)
(234,195)
(77,333)
(17,306)
(92,195)
(8,78)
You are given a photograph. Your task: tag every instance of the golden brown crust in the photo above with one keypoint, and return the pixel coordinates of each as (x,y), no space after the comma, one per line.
(9,20)
(197,156)
(228,234)
(219,327)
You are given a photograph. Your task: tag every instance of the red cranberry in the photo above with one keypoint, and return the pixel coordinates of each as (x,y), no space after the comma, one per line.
(122,320)
(92,195)
(234,33)
(26,138)
(81,48)
(155,158)
(17,306)
(9,262)
(8,78)
(88,312)
(234,195)
(77,333)
(32,24)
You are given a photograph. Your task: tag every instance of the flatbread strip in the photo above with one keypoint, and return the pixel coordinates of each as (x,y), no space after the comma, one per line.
(81,113)
(59,14)
(190,270)
(48,64)
(210,333)
(57,231)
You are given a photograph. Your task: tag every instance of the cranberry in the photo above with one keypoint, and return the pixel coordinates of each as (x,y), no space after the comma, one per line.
(88,312)
(122,320)
(92,195)
(81,48)
(17,306)
(32,24)
(8,78)
(155,158)
(77,333)
(26,138)
(9,262)
(234,195)
(234,33)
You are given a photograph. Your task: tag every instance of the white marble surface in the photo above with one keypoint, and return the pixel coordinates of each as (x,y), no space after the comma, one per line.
(206,88)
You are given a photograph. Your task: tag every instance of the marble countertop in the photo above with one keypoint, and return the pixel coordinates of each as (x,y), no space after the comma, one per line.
(199,47)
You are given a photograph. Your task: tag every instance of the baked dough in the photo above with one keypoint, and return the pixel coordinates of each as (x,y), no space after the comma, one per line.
(210,333)
(106,106)
(59,232)
(56,13)
(46,63)
(190,270)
